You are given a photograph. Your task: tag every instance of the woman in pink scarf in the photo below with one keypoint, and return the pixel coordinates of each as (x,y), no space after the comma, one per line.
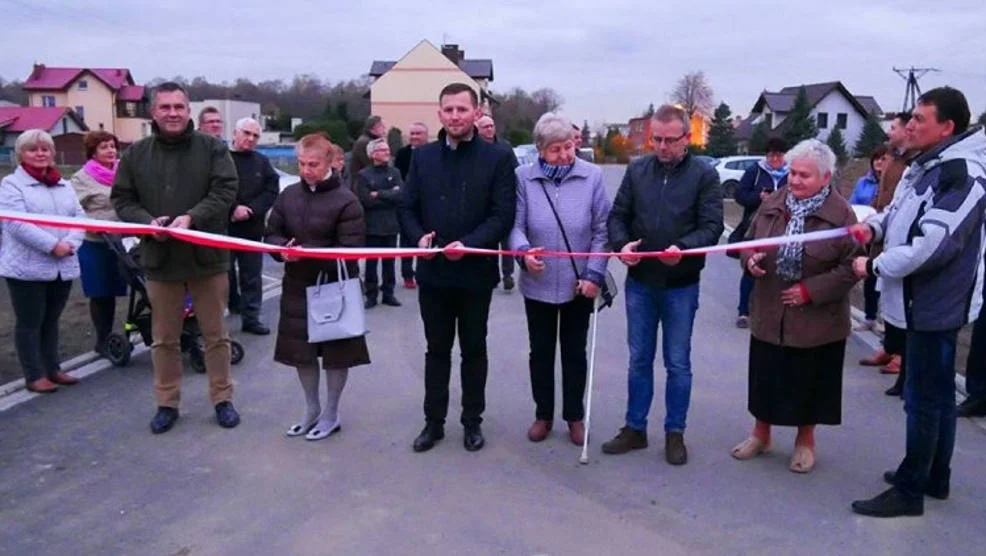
(101,279)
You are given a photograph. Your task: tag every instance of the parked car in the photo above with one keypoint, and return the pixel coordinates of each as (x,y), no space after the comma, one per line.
(526,154)
(710,160)
(731,169)
(588,154)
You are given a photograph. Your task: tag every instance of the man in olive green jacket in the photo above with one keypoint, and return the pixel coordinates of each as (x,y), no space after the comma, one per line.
(181,178)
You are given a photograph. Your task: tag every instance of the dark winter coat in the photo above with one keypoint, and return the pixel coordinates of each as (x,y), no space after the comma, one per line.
(259,186)
(330,216)
(380,212)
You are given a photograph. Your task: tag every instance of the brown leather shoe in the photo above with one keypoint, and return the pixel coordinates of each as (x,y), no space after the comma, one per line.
(627,439)
(64,379)
(674,448)
(576,431)
(891,368)
(42,386)
(539,430)
(878,359)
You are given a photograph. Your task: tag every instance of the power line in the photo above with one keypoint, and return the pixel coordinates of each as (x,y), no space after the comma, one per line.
(913,90)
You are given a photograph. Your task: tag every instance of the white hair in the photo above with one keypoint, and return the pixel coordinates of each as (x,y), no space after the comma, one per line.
(243,122)
(814,151)
(32,138)
(374,145)
(422,125)
(551,128)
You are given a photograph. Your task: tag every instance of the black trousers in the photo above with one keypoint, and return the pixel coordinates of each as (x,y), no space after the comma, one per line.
(506,262)
(373,286)
(895,343)
(246,284)
(445,311)
(407,263)
(37,308)
(549,324)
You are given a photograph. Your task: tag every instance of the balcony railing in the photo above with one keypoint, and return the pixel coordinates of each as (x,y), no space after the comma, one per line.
(128,109)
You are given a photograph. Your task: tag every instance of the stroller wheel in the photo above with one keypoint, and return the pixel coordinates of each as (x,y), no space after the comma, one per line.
(236,352)
(118,348)
(197,359)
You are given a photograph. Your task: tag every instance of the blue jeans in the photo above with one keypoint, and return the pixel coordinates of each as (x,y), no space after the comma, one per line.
(746,288)
(929,401)
(975,366)
(647,308)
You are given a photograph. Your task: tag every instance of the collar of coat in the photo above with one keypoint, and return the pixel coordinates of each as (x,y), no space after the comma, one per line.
(444,141)
(182,137)
(580,169)
(328,184)
(833,210)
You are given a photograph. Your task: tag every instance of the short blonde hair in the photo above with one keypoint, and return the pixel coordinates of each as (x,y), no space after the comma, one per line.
(314,142)
(32,138)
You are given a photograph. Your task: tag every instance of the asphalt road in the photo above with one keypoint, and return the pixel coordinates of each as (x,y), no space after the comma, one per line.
(81,474)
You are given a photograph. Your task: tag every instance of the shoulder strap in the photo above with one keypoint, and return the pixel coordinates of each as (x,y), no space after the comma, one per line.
(561,227)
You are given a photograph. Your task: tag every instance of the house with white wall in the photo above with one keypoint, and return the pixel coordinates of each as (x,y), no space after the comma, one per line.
(230,110)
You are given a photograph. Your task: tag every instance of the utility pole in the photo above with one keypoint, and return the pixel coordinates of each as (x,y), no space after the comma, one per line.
(913,90)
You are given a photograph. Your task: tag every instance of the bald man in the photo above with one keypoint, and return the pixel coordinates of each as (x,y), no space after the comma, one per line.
(256,195)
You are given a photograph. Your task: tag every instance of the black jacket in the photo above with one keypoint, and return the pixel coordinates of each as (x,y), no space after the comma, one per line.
(402,160)
(468,194)
(380,212)
(679,206)
(259,186)
(754,181)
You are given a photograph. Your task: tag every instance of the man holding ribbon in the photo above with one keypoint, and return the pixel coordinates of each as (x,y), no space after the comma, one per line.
(180,178)
(668,201)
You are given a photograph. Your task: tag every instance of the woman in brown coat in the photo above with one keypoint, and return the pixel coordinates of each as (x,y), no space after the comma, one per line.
(316,212)
(800,308)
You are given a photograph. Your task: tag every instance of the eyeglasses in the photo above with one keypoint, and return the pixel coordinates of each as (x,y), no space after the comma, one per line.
(667,140)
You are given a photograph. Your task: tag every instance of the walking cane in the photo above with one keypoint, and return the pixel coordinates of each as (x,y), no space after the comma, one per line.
(584,458)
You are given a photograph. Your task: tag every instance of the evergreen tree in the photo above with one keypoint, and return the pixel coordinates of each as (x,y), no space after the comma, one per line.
(650,110)
(982,119)
(800,123)
(758,140)
(721,142)
(838,145)
(871,137)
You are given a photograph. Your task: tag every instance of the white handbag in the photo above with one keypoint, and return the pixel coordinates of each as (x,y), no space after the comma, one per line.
(335,310)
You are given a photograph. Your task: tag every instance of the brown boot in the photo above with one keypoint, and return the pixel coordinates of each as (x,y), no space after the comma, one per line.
(878,359)
(627,439)
(539,430)
(576,431)
(891,368)
(64,379)
(42,386)
(674,448)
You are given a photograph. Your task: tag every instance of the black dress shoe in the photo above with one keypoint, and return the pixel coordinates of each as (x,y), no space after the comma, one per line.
(257,328)
(226,415)
(429,436)
(891,503)
(973,407)
(371,302)
(391,301)
(938,492)
(508,283)
(473,439)
(163,420)
(894,390)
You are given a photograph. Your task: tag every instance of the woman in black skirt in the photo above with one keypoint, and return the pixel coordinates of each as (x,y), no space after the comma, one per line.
(800,308)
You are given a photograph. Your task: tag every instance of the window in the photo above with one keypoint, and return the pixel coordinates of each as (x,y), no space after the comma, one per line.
(769,118)
(100,126)
(841,120)
(823,120)
(81,111)
(83,85)
(747,164)
(734,165)
(48,101)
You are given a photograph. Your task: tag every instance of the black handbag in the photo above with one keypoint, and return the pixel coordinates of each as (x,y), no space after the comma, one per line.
(607,290)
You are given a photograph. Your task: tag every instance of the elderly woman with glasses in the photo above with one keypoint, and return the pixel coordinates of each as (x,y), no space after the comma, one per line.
(561,206)
(800,307)
(39,262)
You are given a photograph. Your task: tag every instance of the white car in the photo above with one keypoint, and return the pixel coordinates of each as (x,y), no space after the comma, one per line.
(285,179)
(731,169)
(526,154)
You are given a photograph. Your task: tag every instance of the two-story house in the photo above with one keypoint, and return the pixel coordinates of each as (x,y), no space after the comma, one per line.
(832,106)
(406,91)
(104,98)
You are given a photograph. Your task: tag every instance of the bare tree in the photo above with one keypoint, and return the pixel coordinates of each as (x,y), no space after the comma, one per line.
(694,93)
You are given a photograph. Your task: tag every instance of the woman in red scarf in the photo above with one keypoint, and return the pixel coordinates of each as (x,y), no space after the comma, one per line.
(101,279)
(38,262)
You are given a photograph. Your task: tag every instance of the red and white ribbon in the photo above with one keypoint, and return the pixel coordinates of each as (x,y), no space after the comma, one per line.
(348,253)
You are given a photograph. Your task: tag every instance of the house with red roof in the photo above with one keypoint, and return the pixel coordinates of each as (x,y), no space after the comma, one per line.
(103,98)
(62,123)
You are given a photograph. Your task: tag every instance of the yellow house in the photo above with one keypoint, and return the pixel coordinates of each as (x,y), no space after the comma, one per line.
(406,91)
(104,98)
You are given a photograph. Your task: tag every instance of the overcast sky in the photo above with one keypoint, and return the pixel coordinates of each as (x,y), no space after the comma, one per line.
(608,60)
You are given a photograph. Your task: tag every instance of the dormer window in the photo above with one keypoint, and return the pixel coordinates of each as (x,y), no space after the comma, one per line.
(83,85)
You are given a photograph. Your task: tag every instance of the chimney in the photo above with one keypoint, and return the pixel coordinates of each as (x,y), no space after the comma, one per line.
(37,71)
(452,52)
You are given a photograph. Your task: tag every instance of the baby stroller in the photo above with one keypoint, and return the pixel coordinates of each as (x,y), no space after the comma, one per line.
(138,321)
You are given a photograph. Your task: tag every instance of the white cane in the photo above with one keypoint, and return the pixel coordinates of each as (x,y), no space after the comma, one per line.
(584,458)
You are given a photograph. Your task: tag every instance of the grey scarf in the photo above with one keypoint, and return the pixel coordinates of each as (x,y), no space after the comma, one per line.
(790,256)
